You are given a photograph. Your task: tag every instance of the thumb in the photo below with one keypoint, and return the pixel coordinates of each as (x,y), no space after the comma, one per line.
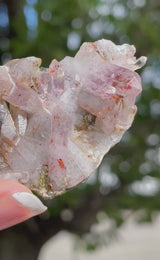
(17,203)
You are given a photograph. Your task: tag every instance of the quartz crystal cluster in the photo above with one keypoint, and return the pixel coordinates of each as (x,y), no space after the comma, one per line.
(57,123)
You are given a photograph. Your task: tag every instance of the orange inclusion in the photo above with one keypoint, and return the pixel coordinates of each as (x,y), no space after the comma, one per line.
(52,72)
(61,164)
(36,84)
(116,98)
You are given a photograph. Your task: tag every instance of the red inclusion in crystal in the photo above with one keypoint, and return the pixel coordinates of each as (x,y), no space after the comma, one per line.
(61,164)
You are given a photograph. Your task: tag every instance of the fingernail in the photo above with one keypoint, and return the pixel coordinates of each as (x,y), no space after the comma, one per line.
(30,201)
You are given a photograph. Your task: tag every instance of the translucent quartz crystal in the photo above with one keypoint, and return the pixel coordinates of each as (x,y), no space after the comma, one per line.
(57,123)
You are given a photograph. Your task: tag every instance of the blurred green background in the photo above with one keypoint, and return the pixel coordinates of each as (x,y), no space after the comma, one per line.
(129,177)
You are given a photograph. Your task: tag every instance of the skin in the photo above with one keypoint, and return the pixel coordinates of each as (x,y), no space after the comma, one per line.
(12,211)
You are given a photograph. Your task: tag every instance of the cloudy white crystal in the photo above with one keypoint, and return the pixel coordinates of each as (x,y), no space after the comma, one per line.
(58,123)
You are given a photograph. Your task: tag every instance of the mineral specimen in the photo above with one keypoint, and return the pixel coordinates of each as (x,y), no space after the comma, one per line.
(58,123)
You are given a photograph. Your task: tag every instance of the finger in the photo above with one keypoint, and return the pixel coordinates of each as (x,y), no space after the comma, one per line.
(17,203)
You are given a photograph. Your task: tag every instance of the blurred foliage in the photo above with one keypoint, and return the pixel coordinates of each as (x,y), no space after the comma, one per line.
(128,179)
